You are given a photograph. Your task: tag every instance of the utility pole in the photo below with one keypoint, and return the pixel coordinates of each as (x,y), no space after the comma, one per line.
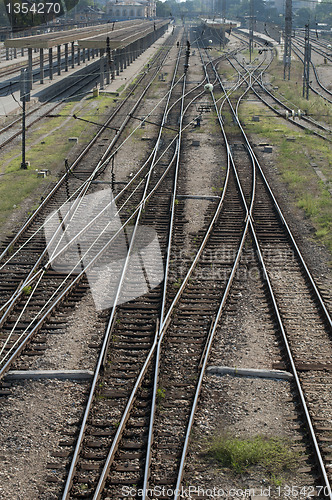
(288,39)
(306,67)
(24,97)
(251,29)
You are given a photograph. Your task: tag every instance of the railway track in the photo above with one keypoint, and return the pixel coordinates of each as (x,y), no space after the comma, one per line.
(9,132)
(152,359)
(169,427)
(283,110)
(270,99)
(297,48)
(322,91)
(140,210)
(315,47)
(125,460)
(84,82)
(291,288)
(30,238)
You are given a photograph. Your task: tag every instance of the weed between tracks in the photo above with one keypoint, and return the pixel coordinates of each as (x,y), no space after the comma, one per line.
(291,91)
(297,152)
(273,454)
(47,147)
(246,54)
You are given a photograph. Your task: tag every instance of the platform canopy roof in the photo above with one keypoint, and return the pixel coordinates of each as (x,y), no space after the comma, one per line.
(121,38)
(218,23)
(113,30)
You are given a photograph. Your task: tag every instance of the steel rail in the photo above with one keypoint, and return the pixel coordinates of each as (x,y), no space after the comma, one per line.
(279,113)
(35,110)
(317,295)
(121,426)
(152,155)
(216,320)
(81,191)
(199,252)
(76,161)
(165,324)
(125,203)
(243,79)
(64,293)
(293,367)
(36,275)
(217,60)
(303,117)
(307,415)
(203,244)
(322,42)
(69,215)
(320,83)
(88,265)
(78,192)
(76,280)
(115,442)
(299,54)
(315,49)
(163,303)
(318,80)
(29,281)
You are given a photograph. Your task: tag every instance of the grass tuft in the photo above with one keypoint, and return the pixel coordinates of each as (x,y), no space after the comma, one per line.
(272,453)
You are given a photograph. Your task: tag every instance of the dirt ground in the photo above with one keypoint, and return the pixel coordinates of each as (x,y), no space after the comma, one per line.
(40,412)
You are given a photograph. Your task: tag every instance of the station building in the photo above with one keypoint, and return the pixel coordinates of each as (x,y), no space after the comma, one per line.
(128,9)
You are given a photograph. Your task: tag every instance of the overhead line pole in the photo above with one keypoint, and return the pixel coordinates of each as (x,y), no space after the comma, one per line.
(223,9)
(251,29)
(306,66)
(288,39)
(223,19)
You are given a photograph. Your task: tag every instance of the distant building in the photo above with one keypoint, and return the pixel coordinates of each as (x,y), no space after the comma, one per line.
(128,9)
(89,14)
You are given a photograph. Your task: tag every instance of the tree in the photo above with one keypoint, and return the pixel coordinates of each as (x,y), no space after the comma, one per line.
(3,15)
(163,9)
(302,17)
(323,13)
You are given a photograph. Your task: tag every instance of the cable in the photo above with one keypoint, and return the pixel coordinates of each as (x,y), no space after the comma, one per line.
(95,123)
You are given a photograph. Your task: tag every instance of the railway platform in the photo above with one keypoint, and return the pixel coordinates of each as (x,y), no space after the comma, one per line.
(129,57)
